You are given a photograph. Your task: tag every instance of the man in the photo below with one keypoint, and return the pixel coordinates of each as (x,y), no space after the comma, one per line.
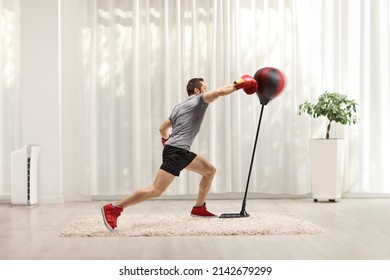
(184,123)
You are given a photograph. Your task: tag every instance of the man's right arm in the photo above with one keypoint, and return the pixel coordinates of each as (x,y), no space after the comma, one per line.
(164,128)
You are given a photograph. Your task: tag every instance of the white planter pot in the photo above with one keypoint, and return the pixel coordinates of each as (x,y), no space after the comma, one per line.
(327,166)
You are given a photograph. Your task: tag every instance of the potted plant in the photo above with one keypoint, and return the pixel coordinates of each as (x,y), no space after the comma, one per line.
(327,155)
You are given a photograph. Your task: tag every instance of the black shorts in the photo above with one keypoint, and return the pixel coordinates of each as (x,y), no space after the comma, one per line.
(176,159)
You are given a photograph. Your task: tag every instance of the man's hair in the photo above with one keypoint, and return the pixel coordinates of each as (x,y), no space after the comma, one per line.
(193,84)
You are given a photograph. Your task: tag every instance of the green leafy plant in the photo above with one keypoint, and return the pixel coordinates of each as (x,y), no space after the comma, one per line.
(334,106)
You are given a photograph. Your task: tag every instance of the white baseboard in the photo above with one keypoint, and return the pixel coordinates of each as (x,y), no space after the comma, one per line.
(78,198)
(211,196)
(240,196)
(366,195)
(50,199)
(5,199)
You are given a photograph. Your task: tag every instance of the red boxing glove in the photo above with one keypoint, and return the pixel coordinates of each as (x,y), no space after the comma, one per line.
(251,90)
(248,83)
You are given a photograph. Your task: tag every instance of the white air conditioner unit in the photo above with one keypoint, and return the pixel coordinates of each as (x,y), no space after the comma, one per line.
(24,176)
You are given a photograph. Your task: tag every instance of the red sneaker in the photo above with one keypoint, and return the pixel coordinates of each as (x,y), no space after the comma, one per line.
(110,214)
(201,211)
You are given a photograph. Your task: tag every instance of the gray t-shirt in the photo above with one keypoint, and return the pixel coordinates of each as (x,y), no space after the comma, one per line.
(186,119)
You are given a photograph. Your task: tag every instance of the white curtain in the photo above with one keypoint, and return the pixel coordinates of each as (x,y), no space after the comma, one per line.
(9,87)
(138,56)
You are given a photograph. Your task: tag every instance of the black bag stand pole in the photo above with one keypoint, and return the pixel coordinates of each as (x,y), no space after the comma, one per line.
(243,213)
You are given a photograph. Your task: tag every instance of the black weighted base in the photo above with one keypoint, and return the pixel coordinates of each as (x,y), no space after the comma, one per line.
(234,215)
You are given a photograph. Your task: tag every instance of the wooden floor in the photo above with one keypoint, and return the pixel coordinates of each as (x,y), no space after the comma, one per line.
(353,228)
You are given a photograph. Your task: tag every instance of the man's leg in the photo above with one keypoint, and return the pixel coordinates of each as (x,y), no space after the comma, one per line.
(162,180)
(111,212)
(204,168)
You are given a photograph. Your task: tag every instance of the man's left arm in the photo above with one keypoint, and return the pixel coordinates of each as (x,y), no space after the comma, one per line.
(213,95)
(246,82)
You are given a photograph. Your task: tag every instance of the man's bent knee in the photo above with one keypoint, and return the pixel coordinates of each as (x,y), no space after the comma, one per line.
(211,170)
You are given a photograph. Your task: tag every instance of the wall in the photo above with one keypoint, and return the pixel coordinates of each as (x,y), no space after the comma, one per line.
(51,96)
(72,102)
(40,92)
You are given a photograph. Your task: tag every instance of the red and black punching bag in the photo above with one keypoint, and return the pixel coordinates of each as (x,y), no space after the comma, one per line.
(271,82)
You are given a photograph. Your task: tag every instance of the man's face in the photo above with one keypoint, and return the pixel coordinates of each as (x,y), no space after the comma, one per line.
(203,87)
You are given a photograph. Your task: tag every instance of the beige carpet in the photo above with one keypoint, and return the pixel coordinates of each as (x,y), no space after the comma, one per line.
(186,225)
